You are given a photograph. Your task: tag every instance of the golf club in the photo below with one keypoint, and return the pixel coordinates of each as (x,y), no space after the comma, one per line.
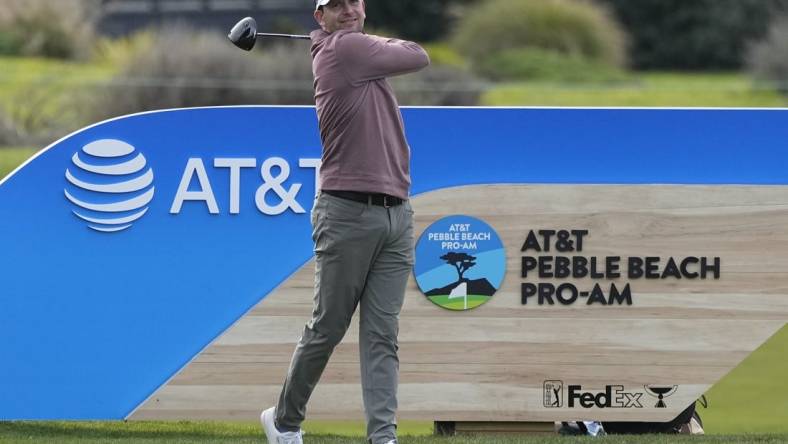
(244,34)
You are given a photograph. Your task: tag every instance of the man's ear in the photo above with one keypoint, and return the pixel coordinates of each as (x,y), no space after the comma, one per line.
(319,17)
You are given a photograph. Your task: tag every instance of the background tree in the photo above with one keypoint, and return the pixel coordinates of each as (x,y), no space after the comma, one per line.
(768,60)
(694,34)
(461,261)
(419,20)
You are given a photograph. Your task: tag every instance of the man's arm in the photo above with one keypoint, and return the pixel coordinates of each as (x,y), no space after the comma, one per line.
(365,57)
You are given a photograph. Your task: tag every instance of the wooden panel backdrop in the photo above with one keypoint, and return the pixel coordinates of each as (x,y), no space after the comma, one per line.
(489,364)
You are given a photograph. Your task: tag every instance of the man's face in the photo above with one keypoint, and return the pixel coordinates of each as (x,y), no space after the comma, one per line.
(342,14)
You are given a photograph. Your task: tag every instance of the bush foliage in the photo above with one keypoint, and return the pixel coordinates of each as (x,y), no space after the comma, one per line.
(180,68)
(768,60)
(694,34)
(444,54)
(576,29)
(61,29)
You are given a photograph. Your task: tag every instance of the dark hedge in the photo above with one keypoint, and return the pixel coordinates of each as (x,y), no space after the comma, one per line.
(694,34)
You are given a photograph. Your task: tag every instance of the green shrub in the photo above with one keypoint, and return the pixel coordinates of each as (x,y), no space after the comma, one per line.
(444,54)
(573,28)
(11,42)
(118,51)
(768,60)
(61,29)
(694,34)
(180,68)
(540,64)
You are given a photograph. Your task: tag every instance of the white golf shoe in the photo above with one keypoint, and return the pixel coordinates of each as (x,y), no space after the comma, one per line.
(275,436)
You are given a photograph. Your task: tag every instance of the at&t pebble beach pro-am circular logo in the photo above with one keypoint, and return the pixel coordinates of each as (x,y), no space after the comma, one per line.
(460,262)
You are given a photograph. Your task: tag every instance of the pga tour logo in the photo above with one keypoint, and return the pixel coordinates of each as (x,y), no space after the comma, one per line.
(110,185)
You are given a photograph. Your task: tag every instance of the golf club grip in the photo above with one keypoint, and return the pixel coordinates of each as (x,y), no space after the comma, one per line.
(287,36)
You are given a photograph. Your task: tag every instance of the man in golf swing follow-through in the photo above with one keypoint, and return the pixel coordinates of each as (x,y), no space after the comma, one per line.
(362,220)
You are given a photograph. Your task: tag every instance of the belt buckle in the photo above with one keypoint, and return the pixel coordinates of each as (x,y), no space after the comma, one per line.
(386,201)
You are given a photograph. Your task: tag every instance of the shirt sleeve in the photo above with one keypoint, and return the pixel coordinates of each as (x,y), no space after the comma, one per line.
(367,57)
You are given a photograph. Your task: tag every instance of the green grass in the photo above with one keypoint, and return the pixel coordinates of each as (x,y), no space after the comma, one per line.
(215,432)
(645,90)
(459,303)
(753,398)
(10,158)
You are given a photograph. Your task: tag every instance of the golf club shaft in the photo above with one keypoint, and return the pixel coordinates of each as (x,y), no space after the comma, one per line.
(287,36)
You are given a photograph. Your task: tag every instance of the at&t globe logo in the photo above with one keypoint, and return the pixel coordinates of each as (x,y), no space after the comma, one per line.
(110,185)
(460,262)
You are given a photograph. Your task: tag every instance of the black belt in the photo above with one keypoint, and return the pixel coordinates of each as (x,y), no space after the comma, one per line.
(384,200)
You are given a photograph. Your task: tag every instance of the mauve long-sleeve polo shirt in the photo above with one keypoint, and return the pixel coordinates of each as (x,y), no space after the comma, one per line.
(364,144)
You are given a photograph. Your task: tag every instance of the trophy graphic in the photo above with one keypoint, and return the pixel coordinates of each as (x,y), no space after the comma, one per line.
(661,392)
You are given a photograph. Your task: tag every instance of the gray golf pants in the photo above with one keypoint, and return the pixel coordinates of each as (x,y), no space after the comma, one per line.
(363,256)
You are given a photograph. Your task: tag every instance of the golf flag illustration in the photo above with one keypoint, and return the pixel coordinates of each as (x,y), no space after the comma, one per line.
(462,262)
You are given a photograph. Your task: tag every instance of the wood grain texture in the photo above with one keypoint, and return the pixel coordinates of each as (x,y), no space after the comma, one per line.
(489,364)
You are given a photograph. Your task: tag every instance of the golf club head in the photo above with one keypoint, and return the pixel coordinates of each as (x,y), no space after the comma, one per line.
(244,34)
